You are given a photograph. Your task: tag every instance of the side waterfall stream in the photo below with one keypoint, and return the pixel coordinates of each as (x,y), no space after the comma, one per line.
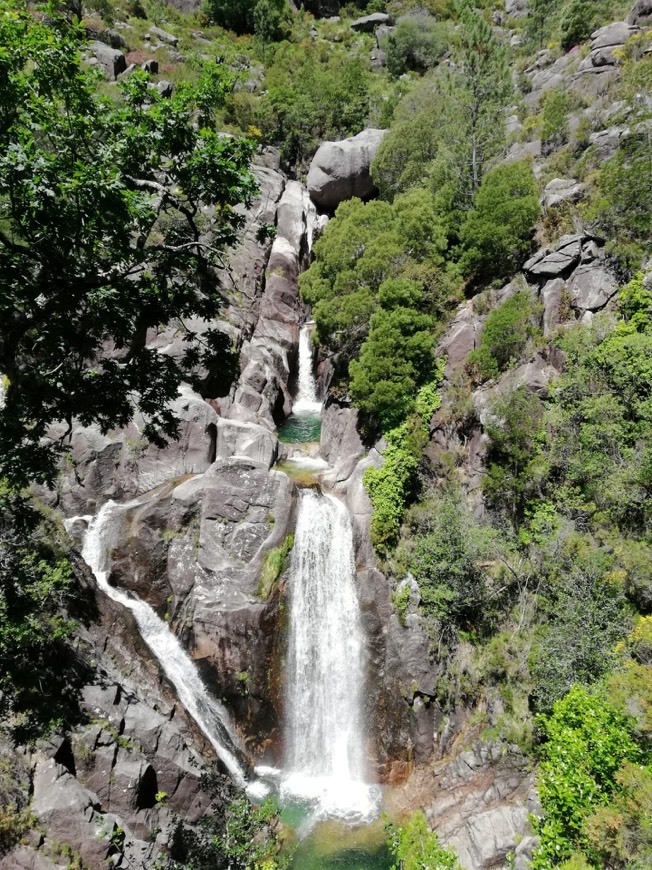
(211,717)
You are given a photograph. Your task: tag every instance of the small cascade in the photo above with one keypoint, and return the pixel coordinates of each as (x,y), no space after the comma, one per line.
(306,401)
(211,717)
(304,423)
(325,745)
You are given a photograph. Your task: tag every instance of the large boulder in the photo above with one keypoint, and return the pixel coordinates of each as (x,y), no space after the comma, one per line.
(604,43)
(641,13)
(561,190)
(368,23)
(591,288)
(340,170)
(561,260)
(112,59)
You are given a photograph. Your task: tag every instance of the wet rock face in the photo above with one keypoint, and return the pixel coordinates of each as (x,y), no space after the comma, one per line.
(196,555)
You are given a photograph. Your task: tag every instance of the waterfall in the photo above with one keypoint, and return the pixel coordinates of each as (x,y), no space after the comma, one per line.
(325,746)
(211,717)
(306,401)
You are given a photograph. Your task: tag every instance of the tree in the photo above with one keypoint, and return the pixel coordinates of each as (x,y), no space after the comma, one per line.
(555,129)
(497,234)
(590,750)
(451,124)
(104,234)
(483,88)
(396,359)
(236,15)
(271,19)
(363,246)
(514,429)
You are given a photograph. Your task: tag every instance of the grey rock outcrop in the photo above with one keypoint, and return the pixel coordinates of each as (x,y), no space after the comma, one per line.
(591,287)
(604,43)
(112,59)
(641,14)
(549,264)
(164,36)
(341,170)
(484,799)
(562,190)
(368,23)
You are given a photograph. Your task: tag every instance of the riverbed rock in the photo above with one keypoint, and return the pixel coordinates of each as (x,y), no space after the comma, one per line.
(340,170)
(341,445)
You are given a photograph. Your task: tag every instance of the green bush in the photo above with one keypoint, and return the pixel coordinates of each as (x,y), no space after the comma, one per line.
(444,562)
(588,616)
(590,746)
(396,359)
(416,44)
(513,475)
(361,248)
(415,846)
(554,129)
(311,94)
(390,485)
(497,234)
(505,335)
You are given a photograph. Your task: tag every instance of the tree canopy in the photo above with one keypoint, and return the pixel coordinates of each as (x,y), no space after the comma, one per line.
(113,214)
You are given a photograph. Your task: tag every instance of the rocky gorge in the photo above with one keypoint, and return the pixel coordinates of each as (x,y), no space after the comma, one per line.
(209,520)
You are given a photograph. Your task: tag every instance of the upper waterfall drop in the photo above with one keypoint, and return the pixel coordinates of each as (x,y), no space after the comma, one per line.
(211,717)
(325,735)
(306,401)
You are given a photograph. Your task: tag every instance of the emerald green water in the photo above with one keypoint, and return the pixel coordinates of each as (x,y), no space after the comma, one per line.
(335,846)
(300,429)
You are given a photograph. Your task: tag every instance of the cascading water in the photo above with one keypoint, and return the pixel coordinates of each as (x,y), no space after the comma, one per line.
(211,717)
(306,401)
(304,423)
(325,746)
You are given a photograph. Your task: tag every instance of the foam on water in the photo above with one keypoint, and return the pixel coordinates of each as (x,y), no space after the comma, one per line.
(325,748)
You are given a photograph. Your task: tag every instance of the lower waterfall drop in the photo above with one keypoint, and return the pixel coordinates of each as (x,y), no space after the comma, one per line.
(211,717)
(325,763)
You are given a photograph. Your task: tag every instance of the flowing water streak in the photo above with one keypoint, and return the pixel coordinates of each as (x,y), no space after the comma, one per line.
(306,401)
(325,746)
(211,717)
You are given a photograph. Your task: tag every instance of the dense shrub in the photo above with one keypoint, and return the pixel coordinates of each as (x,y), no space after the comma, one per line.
(415,846)
(363,246)
(505,335)
(416,44)
(515,430)
(592,757)
(311,94)
(588,616)
(555,129)
(444,561)
(390,485)
(396,359)
(497,234)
